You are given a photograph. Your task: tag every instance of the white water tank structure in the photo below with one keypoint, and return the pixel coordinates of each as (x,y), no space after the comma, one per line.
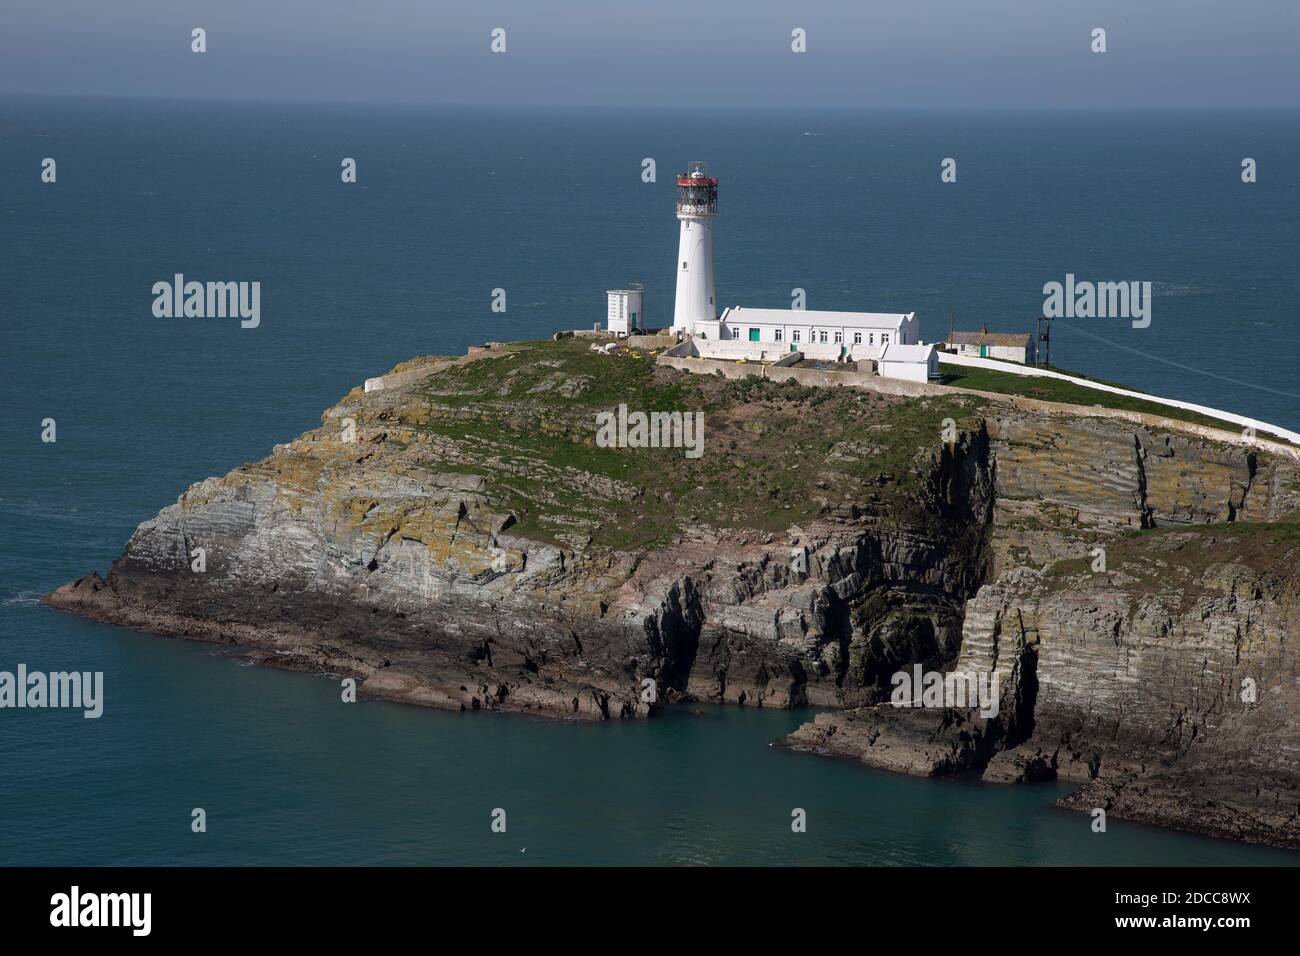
(626,309)
(697,205)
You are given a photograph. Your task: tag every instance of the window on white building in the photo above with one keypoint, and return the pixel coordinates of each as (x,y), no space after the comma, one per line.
(857,338)
(823,336)
(884,338)
(780,334)
(796,335)
(839,338)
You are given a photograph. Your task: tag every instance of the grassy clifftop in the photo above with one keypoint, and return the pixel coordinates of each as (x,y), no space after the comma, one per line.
(773,454)
(1056,390)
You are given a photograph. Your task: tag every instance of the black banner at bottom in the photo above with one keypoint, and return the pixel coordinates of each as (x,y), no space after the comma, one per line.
(336,905)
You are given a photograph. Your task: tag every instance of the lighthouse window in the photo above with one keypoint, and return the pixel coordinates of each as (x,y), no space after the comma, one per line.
(683,265)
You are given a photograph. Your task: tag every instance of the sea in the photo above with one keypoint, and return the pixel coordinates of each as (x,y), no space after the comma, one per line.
(553,207)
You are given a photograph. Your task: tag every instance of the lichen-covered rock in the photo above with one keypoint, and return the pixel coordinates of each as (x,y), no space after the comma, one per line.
(457,538)
(1143,632)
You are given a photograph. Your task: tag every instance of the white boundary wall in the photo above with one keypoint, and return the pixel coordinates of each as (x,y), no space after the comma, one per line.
(951,359)
(765,351)
(735,349)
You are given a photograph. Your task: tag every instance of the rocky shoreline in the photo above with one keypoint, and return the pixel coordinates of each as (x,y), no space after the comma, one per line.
(458,541)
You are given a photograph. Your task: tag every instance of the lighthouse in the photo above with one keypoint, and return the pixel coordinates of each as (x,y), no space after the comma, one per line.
(697,205)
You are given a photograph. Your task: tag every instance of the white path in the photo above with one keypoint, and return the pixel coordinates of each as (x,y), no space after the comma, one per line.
(1014,369)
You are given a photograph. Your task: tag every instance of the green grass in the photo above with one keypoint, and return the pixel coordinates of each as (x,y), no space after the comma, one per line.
(1176,557)
(606,379)
(774,453)
(1055,390)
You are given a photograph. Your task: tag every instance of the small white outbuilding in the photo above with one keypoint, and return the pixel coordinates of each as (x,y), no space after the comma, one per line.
(916,363)
(1008,346)
(626,312)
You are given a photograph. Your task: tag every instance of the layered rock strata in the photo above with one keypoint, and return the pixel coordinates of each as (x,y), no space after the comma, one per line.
(462,540)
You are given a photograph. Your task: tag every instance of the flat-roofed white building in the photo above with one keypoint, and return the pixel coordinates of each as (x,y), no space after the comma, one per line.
(916,363)
(626,309)
(820,335)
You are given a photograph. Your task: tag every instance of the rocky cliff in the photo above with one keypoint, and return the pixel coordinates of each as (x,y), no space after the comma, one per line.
(462,540)
(1140,611)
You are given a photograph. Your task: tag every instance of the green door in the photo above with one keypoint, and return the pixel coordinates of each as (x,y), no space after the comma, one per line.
(753,335)
(984,351)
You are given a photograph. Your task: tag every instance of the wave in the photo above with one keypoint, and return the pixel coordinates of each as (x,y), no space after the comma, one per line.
(1176,290)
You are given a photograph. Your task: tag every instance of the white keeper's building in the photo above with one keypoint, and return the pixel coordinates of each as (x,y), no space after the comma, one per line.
(824,336)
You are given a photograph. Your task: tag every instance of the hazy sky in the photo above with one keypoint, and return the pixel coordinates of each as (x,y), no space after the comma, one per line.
(905,53)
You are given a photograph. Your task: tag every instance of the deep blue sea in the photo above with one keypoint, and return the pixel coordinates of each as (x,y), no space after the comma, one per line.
(550,206)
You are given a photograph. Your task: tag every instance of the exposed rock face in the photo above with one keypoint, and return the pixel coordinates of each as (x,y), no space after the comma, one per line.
(381,547)
(460,541)
(1169,682)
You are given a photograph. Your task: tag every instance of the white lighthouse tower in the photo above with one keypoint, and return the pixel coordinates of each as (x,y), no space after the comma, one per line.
(697,204)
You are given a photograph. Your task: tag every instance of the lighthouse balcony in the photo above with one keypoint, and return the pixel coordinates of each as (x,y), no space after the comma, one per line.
(697,209)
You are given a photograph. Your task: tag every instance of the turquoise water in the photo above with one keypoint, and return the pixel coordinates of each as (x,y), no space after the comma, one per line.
(550,206)
(289,774)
